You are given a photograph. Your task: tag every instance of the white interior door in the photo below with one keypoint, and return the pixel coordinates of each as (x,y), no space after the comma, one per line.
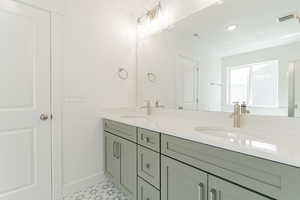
(25,139)
(187,89)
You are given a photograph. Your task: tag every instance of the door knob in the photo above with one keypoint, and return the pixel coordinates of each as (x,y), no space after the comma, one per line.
(44,117)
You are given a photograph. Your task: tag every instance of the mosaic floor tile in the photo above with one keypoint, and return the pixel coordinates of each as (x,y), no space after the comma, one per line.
(105,190)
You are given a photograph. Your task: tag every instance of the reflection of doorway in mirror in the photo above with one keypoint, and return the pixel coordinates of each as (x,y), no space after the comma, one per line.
(297,88)
(187,83)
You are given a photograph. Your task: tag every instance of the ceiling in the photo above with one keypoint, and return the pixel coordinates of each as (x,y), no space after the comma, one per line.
(257,26)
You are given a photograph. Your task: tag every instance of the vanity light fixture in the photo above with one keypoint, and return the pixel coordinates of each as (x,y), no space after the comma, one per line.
(232,27)
(289,17)
(152,21)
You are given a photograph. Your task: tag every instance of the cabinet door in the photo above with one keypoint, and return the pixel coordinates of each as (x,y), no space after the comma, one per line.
(128,177)
(180,181)
(112,157)
(147,191)
(223,190)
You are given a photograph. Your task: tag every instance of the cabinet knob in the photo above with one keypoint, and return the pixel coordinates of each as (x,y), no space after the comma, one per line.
(148,166)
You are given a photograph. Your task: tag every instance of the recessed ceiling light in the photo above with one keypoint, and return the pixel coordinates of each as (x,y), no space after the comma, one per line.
(219,2)
(232,27)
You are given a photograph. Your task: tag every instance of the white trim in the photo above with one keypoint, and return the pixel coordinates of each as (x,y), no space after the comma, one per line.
(57,6)
(56,103)
(83,183)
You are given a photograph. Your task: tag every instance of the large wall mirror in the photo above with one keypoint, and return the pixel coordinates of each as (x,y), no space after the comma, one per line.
(234,51)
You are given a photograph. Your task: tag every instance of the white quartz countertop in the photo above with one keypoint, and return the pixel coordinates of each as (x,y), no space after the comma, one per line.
(280,148)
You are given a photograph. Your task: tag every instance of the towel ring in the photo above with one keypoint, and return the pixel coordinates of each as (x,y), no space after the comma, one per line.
(151,77)
(123,73)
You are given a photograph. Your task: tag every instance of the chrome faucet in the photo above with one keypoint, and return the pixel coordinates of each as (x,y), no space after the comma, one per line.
(238,112)
(157,104)
(236,115)
(148,107)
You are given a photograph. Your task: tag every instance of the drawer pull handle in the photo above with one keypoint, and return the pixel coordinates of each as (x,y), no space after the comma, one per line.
(148,166)
(201,193)
(148,198)
(213,194)
(116,150)
(147,139)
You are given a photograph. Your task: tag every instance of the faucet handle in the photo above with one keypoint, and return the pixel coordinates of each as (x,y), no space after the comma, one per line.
(157,104)
(244,109)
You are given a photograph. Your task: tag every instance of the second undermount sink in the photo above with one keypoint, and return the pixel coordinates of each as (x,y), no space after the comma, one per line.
(238,137)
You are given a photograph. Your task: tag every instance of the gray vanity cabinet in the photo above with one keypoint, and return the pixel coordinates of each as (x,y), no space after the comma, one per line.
(120,162)
(112,160)
(147,191)
(172,168)
(180,182)
(222,190)
(128,169)
(149,166)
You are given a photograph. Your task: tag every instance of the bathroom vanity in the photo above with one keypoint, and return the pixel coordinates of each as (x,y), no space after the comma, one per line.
(150,164)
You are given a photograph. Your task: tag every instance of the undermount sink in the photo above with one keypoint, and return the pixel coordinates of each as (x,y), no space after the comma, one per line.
(138,118)
(237,137)
(215,131)
(133,116)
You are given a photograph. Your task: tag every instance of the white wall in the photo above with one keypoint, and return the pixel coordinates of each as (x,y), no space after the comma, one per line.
(99,38)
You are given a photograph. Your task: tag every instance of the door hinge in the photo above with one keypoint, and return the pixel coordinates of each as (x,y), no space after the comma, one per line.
(51,117)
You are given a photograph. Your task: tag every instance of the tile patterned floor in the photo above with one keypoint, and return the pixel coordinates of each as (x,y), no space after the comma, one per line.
(104,190)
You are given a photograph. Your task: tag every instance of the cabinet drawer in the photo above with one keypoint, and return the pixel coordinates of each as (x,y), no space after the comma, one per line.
(220,189)
(147,191)
(149,139)
(149,166)
(122,130)
(266,177)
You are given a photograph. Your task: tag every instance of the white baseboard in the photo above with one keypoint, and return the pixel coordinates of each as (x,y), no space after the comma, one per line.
(83,183)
